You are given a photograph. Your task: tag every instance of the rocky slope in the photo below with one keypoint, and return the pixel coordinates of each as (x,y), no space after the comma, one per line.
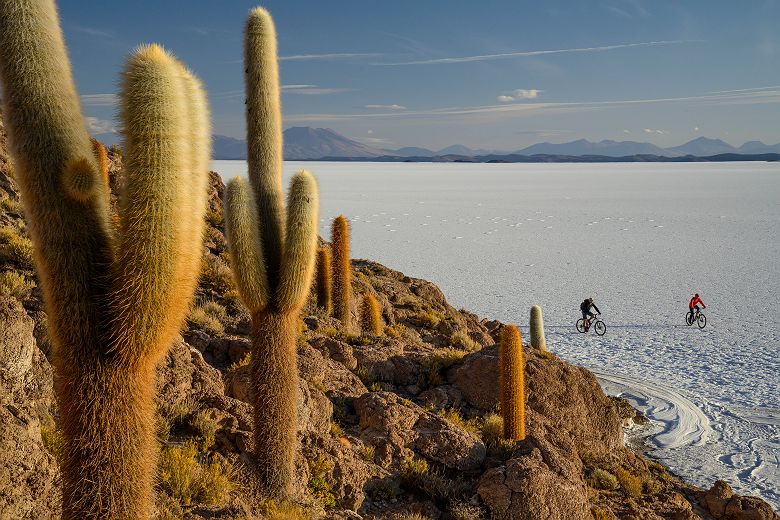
(397,426)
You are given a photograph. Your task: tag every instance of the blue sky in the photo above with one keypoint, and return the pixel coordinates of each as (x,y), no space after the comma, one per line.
(490,74)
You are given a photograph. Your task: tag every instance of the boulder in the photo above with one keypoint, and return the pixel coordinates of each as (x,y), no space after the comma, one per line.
(527,488)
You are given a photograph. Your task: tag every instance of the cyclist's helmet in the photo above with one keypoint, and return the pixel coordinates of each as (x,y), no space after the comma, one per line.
(696,295)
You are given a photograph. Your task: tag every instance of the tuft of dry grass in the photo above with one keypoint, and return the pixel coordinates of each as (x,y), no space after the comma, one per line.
(206,426)
(462,341)
(493,434)
(601,514)
(631,484)
(368,452)
(16,285)
(216,274)
(452,415)
(413,469)
(428,319)
(208,318)
(52,438)
(16,249)
(273,510)
(190,479)
(436,363)
(602,479)
(464,511)
(319,485)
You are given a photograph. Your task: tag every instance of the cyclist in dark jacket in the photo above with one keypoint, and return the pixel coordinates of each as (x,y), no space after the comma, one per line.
(585,307)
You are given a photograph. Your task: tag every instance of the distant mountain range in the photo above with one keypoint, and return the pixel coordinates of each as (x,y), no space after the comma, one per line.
(306,143)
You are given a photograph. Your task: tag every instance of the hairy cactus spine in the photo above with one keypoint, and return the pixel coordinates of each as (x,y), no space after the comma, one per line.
(512,383)
(371,317)
(113,304)
(342,270)
(537,329)
(273,260)
(324,281)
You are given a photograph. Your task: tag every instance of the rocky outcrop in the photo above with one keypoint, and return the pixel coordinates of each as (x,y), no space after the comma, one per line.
(528,489)
(568,397)
(398,429)
(723,503)
(29,476)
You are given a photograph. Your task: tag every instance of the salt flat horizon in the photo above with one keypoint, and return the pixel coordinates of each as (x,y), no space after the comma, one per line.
(638,237)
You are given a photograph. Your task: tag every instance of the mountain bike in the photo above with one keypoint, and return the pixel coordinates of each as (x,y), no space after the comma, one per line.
(598,326)
(699,319)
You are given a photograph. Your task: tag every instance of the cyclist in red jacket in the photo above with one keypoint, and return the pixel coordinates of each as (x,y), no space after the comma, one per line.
(693,305)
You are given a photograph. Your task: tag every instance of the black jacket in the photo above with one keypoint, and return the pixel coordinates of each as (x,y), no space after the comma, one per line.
(586,305)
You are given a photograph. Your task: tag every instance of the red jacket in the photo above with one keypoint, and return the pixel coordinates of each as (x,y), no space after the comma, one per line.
(694,301)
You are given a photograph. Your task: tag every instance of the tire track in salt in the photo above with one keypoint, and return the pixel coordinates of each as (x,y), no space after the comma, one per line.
(682,422)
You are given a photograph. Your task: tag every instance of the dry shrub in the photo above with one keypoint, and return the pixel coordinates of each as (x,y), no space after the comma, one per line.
(434,365)
(631,484)
(368,452)
(16,285)
(216,274)
(319,485)
(493,434)
(602,479)
(52,439)
(207,318)
(16,249)
(462,341)
(283,511)
(464,511)
(601,514)
(452,415)
(191,479)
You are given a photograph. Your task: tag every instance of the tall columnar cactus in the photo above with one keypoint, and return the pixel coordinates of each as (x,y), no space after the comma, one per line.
(537,329)
(511,363)
(273,260)
(342,270)
(324,281)
(371,316)
(114,300)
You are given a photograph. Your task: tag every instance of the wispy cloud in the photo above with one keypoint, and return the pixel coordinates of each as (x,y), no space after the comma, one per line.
(331,56)
(518,94)
(99,100)
(92,31)
(304,90)
(385,107)
(313,90)
(523,54)
(754,89)
(742,96)
(99,126)
(654,131)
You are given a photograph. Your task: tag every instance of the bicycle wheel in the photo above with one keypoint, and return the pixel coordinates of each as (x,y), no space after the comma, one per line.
(689,318)
(581,325)
(701,321)
(600,327)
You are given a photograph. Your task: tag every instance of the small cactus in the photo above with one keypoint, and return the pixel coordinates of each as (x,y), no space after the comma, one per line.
(537,329)
(511,362)
(342,270)
(324,281)
(371,316)
(101,156)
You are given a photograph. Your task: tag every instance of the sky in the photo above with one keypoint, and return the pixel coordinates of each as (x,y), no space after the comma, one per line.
(492,74)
